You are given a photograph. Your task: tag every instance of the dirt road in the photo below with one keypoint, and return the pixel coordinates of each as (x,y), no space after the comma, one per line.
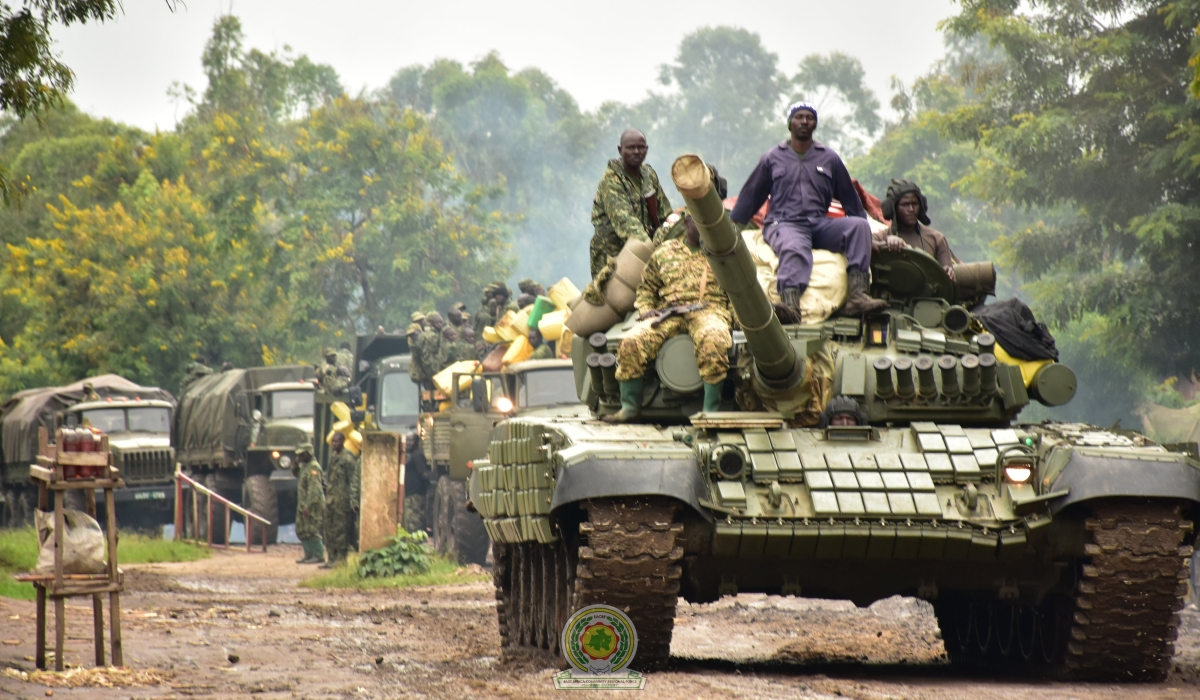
(186,621)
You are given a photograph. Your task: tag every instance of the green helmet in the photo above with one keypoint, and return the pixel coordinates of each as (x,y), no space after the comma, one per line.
(305,448)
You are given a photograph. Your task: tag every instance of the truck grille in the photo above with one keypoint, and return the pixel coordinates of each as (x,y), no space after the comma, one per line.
(147,466)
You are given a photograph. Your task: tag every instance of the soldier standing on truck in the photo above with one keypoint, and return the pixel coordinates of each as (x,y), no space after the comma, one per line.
(629,203)
(416,363)
(333,377)
(484,316)
(89,392)
(310,505)
(802,177)
(194,371)
(433,347)
(345,357)
(341,502)
(528,286)
(678,294)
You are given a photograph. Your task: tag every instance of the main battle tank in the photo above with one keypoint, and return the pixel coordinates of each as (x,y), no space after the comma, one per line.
(1055,547)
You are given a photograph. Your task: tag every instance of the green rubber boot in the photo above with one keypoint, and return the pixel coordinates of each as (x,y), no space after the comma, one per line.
(318,551)
(631,400)
(307,545)
(712,396)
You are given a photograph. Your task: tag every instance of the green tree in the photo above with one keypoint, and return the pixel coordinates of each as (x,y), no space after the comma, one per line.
(135,288)
(849,110)
(1088,105)
(523,137)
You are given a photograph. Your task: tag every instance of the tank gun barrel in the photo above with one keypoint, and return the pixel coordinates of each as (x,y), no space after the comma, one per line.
(774,356)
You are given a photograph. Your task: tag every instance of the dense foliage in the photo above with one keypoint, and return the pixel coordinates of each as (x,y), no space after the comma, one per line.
(1057,137)
(405,554)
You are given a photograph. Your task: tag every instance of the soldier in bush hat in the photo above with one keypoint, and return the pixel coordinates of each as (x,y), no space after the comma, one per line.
(310,505)
(528,286)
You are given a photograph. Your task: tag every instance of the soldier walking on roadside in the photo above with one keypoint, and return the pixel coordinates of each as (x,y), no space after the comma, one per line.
(310,505)
(341,502)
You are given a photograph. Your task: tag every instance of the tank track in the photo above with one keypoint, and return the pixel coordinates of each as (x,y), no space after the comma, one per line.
(1130,593)
(1119,623)
(630,561)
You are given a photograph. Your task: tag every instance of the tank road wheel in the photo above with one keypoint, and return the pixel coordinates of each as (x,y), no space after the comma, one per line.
(535,584)
(1119,625)
(626,555)
(260,498)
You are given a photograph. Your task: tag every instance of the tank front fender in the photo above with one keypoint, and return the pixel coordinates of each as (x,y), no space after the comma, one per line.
(599,477)
(1092,474)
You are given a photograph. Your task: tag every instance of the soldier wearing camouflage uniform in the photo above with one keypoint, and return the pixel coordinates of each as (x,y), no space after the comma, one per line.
(433,345)
(194,371)
(334,378)
(484,317)
(342,495)
(677,274)
(630,203)
(345,357)
(416,367)
(541,349)
(310,505)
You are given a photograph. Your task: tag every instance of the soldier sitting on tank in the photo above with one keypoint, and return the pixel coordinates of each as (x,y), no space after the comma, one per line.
(629,203)
(908,210)
(678,293)
(842,411)
(802,177)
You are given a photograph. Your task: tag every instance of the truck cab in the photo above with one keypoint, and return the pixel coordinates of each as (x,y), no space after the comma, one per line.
(139,437)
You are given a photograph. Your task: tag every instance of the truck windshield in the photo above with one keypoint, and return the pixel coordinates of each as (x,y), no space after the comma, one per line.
(109,420)
(291,404)
(546,387)
(398,398)
(150,420)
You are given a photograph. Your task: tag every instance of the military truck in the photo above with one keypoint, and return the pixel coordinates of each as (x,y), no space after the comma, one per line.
(139,437)
(237,431)
(453,438)
(1056,548)
(148,454)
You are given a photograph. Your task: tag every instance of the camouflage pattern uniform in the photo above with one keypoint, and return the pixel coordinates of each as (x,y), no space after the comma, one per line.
(416,370)
(345,358)
(433,351)
(195,370)
(672,277)
(543,352)
(341,505)
(310,508)
(334,378)
(620,212)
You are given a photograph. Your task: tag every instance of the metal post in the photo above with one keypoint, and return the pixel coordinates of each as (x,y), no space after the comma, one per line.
(178,506)
(227,529)
(209,519)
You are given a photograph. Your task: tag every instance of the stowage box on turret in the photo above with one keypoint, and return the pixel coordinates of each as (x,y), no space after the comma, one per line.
(1058,547)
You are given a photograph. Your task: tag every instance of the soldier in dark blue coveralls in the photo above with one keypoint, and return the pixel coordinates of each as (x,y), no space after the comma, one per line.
(802,177)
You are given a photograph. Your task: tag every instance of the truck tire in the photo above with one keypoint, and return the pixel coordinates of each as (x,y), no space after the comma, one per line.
(442,540)
(471,540)
(260,498)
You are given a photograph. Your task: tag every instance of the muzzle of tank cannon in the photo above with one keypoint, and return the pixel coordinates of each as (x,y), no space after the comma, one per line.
(778,368)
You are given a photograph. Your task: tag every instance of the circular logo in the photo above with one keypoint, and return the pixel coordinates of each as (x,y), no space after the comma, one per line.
(599,639)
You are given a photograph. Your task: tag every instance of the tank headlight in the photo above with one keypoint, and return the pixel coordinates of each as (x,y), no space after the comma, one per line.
(1018,472)
(285,462)
(275,454)
(729,462)
(504,404)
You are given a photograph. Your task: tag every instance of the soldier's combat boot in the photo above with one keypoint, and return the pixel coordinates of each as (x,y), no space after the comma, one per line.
(858,301)
(631,401)
(307,552)
(318,552)
(712,396)
(791,299)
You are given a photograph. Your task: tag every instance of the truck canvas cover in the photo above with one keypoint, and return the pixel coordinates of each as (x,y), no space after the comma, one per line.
(213,419)
(26,411)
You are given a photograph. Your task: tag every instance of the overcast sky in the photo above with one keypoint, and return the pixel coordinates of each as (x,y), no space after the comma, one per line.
(596,51)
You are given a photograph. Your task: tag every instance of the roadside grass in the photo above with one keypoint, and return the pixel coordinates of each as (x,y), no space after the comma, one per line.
(442,571)
(19,552)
